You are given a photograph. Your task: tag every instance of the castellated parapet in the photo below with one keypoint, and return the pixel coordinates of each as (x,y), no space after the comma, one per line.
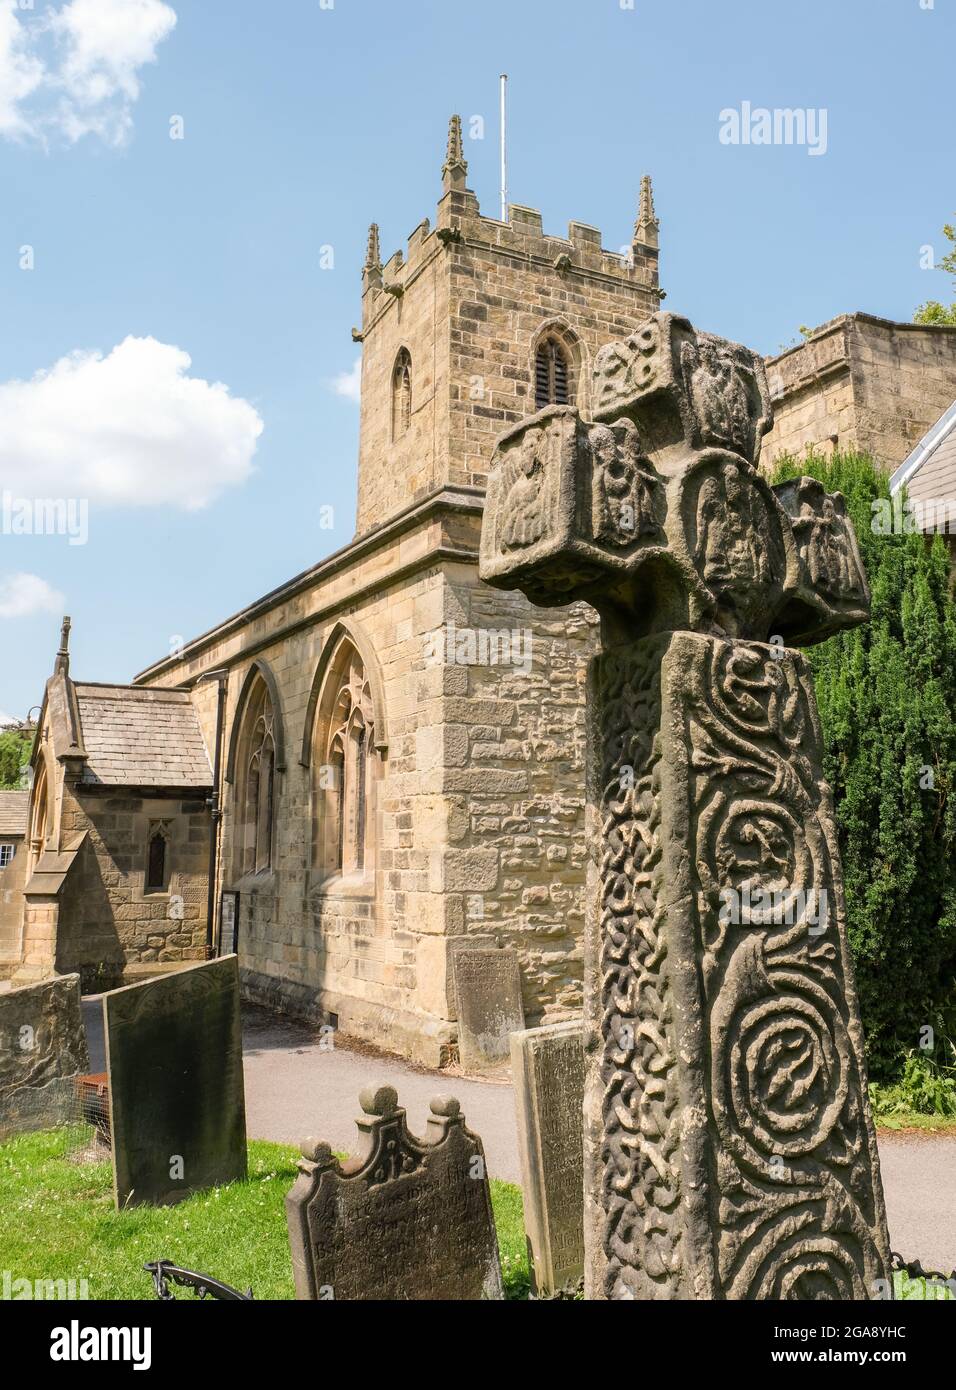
(469,304)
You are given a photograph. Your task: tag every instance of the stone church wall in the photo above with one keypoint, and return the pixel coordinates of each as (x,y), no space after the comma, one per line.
(108,924)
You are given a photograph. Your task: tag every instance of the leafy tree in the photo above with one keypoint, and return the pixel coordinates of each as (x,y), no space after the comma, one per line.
(14,753)
(887,698)
(933,311)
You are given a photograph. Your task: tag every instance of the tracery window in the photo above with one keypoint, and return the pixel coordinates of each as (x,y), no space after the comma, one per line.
(344,765)
(256,792)
(401,394)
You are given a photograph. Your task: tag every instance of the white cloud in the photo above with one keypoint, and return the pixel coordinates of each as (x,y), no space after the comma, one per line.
(6,720)
(349,384)
(73,70)
(21,72)
(22,595)
(129,429)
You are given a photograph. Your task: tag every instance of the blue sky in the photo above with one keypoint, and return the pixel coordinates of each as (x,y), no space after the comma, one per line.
(301,124)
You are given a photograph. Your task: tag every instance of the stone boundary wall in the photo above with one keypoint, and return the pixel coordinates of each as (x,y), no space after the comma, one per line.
(861,382)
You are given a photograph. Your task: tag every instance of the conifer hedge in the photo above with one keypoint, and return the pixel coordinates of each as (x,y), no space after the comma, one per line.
(887,697)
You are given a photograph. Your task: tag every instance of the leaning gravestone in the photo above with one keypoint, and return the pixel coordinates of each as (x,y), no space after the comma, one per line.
(547,1066)
(730,1150)
(488,995)
(406,1219)
(42,1051)
(177,1105)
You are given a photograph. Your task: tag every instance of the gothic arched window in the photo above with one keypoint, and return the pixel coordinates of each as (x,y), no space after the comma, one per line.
(157,857)
(401,394)
(256,782)
(343,766)
(552,373)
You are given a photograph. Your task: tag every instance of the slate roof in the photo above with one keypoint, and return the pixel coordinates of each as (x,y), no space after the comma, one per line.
(930,471)
(137,737)
(13,813)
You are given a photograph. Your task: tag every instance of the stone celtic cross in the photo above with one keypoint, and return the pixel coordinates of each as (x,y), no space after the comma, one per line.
(729,1146)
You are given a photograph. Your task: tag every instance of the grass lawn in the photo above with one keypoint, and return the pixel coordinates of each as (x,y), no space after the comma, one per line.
(912,1119)
(59,1223)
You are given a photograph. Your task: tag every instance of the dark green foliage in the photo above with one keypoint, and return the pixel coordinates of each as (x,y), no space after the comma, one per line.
(887,697)
(14,754)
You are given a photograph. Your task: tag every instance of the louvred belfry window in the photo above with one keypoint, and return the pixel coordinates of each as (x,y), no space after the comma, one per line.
(551,375)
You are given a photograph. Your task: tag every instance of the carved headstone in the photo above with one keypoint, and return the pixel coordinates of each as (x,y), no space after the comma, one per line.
(177,1104)
(405,1219)
(42,1050)
(547,1065)
(488,994)
(730,1150)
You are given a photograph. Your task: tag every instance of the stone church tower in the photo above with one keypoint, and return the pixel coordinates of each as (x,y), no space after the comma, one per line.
(403,745)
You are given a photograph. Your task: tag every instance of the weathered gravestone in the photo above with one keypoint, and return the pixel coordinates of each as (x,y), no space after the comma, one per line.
(405,1219)
(488,996)
(177,1105)
(42,1051)
(730,1150)
(547,1066)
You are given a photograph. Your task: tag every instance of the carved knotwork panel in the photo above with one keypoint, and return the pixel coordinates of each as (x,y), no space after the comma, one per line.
(683,386)
(640,1150)
(630,368)
(738,1157)
(795,1204)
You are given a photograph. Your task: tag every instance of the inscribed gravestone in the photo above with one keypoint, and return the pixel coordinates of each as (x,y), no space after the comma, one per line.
(174,1056)
(547,1065)
(42,1049)
(488,994)
(405,1219)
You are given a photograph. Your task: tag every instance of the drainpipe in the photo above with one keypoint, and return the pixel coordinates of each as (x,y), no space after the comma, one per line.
(214,803)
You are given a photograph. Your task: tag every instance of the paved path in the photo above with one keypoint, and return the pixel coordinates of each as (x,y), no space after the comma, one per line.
(919,1180)
(294,1089)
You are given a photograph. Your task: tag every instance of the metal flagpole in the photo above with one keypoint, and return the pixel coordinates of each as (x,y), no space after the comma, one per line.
(504,157)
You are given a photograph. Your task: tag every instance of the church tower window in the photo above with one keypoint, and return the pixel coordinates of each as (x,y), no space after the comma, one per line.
(401,394)
(552,374)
